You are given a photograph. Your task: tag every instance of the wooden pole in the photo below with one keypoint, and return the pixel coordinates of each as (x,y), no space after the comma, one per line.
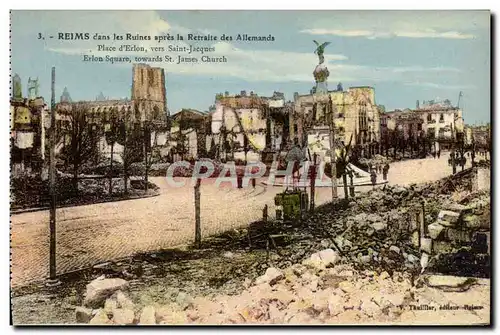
(313,182)
(52,180)
(332,149)
(197,233)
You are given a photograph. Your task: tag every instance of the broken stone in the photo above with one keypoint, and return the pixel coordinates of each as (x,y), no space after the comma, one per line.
(455,208)
(101,318)
(365,259)
(272,276)
(83,315)
(384,275)
(426,245)
(299,269)
(424,262)
(379,225)
(110,305)
(472,221)
(100,289)
(395,249)
(435,230)
(184,300)
(412,259)
(369,308)
(123,316)
(123,301)
(457,235)
(451,218)
(228,254)
(148,316)
(415,239)
(442,247)
(329,257)
(347,286)
(314,261)
(449,281)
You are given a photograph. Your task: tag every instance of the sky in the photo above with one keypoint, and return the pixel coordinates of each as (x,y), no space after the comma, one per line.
(405,55)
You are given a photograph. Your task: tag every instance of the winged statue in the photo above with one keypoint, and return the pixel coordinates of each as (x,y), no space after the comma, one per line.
(320,50)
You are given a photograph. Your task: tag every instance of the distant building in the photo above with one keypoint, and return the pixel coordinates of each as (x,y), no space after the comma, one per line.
(436,120)
(355,111)
(27,136)
(479,135)
(147,106)
(65,97)
(188,134)
(245,125)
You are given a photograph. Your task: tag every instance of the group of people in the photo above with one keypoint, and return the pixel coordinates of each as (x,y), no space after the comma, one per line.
(377,169)
(438,154)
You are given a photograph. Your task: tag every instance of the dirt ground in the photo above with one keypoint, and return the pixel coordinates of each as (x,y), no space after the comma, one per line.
(94,233)
(89,234)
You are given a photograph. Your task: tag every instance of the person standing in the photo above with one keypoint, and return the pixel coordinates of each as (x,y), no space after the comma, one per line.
(439,153)
(386,170)
(373,176)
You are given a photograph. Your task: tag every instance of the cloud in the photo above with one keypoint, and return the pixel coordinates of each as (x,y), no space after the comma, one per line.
(440,86)
(246,61)
(402,24)
(376,34)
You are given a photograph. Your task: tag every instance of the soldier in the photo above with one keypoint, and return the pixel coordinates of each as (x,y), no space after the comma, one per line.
(386,170)
(373,176)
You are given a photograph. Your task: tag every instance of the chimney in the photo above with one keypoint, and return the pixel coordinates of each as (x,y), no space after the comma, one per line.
(418,104)
(296,96)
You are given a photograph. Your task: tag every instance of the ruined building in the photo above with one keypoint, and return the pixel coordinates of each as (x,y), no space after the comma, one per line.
(245,126)
(146,111)
(27,132)
(355,114)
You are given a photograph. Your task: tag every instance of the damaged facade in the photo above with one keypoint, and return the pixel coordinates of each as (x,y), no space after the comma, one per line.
(355,112)
(245,125)
(146,111)
(27,135)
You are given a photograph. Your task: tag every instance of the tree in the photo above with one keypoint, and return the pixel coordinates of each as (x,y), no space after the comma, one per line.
(81,134)
(342,162)
(111,135)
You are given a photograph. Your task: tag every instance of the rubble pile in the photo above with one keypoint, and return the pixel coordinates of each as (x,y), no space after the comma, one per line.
(318,291)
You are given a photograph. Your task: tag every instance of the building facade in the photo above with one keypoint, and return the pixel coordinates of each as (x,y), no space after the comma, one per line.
(146,111)
(356,115)
(436,120)
(245,125)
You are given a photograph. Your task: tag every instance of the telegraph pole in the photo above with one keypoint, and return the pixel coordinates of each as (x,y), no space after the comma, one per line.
(453,140)
(333,154)
(52,185)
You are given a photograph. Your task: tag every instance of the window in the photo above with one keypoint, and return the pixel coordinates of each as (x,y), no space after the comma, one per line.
(441,118)
(429,117)
(419,126)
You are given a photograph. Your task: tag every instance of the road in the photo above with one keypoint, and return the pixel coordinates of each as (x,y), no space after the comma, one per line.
(93,233)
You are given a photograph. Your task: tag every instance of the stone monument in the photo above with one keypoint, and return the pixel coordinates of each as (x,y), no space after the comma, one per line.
(321,72)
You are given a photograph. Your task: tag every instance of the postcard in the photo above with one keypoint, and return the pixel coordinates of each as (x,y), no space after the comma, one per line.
(250,167)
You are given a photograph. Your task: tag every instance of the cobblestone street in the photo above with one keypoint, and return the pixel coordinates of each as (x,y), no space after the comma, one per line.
(90,234)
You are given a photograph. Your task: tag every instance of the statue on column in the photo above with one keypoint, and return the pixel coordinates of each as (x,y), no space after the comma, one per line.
(321,72)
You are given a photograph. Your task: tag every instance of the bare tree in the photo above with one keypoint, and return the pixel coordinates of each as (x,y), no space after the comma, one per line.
(111,134)
(81,134)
